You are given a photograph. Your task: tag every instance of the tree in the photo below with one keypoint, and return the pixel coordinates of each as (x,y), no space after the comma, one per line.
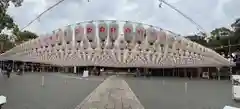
(222,39)
(236,25)
(6,21)
(24,36)
(198,39)
(5,43)
(220,33)
(5,3)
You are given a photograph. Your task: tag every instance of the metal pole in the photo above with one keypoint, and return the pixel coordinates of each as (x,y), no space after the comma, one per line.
(32,67)
(208,71)
(218,73)
(230,56)
(23,67)
(13,66)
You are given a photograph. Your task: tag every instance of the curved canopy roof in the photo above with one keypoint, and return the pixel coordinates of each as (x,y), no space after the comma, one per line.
(115,44)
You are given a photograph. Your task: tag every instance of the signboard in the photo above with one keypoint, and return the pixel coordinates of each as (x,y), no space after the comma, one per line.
(91,31)
(128,32)
(113,31)
(102,31)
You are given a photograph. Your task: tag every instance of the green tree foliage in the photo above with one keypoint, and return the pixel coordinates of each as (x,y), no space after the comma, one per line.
(5,43)
(221,38)
(236,25)
(198,38)
(6,21)
(24,36)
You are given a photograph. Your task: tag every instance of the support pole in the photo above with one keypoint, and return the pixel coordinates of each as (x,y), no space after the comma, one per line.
(75,69)
(43,81)
(230,72)
(32,66)
(208,72)
(23,67)
(186,87)
(218,73)
(13,66)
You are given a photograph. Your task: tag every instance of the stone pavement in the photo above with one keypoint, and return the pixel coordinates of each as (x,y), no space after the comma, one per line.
(113,93)
(26,92)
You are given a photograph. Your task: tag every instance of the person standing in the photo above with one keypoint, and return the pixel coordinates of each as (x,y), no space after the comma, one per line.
(9,70)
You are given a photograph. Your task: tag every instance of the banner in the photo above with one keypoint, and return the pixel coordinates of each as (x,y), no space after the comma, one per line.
(79,33)
(102,31)
(91,31)
(151,35)
(113,31)
(128,32)
(140,33)
(68,34)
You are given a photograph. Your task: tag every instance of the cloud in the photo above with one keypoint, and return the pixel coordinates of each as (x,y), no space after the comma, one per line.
(209,14)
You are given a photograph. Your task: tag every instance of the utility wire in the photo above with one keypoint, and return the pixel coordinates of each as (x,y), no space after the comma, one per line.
(184,15)
(161,1)
(38,17)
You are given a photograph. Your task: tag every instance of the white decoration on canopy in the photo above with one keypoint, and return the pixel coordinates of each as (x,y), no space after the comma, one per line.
(133,45)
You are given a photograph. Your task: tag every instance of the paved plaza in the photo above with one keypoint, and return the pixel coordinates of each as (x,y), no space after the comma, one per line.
(61,91)
(170,93)
(58,92)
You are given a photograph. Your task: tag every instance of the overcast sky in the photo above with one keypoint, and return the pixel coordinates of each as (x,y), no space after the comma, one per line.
(209,14)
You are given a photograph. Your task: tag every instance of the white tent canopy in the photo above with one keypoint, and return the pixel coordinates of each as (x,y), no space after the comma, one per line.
(115,44)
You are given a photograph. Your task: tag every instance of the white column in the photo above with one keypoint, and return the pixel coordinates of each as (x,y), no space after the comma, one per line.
(23,67)
(75,69)
(13,66)
(32,66)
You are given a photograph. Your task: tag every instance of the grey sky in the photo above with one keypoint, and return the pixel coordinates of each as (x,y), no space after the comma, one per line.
(208,13)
